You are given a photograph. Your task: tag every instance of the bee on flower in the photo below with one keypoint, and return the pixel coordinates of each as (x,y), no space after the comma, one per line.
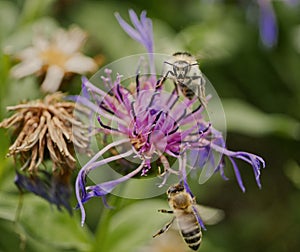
(149,127)
(55,58)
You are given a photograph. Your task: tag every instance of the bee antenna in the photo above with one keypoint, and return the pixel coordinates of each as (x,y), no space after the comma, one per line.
(181,182)
(166,62)
(194,64)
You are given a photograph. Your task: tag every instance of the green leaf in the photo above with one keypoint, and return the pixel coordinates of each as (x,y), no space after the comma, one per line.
(292,171)
(53,227)
(8,17)
(24,89)
(244,118)
(34,9)
(134,226)
(40,223)
(8,206)
(105,30)
(217,37)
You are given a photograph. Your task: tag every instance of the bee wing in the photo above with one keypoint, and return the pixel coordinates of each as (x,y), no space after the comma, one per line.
(210,215)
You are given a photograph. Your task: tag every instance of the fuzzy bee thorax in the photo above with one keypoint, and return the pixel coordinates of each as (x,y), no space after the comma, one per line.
(180,201)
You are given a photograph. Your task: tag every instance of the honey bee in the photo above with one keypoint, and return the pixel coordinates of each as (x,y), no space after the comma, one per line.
(184,70)
(186,212)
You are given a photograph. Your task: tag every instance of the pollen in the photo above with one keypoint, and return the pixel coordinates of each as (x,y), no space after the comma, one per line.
(138,142)
(54,56)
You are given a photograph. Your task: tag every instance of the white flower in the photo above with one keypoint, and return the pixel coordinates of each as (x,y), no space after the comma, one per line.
(55,57)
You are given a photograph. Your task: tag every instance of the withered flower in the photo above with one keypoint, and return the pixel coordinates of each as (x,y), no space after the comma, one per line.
(46,130)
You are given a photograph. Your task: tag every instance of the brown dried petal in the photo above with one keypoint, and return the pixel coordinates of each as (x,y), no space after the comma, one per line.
(45,127)
(51,149)
(34,153)
(58,124)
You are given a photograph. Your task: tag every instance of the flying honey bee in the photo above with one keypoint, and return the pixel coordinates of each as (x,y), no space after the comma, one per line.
(186,212)
(184,70)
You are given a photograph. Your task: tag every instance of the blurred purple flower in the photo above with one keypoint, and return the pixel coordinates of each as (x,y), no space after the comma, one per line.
(267,23)
(150,126)
(55,189)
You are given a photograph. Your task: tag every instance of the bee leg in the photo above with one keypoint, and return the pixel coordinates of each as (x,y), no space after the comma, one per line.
(200,89)
(162,80)
(165,211)
(165,228)
(176,87)
(201,95)
(158,85)
(137,82)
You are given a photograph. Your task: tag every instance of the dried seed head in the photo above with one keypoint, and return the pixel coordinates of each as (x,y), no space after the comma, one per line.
(46,129)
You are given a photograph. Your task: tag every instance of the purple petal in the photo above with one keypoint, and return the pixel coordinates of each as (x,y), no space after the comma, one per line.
(255,161)
(105,188)
(142,32)
(55,189)
(128,29)
(144,28)
(267,25)
(84,193)
(220,169)
(182,168)
(136,22)
(199,220)
(84,88)
(206,155)
(80,183)
(237,174)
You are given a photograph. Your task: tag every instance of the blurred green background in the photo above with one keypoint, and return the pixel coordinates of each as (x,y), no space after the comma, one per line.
(260,90)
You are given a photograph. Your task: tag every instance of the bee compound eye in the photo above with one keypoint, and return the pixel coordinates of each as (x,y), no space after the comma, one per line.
(172,190)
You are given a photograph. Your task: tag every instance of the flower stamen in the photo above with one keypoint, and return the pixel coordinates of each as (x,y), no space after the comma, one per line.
(152,128)
(102,106)
(152,99)
(194,111)
(137,83)
(180,118)
(106,126)
(173,131)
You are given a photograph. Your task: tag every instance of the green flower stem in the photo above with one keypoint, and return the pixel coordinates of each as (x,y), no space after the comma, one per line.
(104,223)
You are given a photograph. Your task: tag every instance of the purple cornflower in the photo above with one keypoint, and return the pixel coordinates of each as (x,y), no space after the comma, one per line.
(55,188)
(149,128)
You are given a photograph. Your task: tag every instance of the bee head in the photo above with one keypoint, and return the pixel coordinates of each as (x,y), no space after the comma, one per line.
(175,189)
(181,69)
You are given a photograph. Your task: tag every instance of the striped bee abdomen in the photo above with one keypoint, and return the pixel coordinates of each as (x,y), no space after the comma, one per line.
(190,230)
(192,238)
(189,93)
